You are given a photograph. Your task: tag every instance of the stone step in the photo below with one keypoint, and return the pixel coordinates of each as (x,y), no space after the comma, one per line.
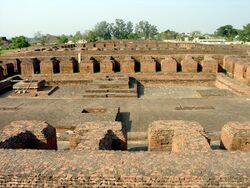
(110,90)
(110,95)
(111,85)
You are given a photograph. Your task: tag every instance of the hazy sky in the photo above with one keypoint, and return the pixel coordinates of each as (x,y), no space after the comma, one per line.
(25,17)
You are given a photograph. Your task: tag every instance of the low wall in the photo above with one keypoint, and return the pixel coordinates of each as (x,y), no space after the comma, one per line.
(26,168)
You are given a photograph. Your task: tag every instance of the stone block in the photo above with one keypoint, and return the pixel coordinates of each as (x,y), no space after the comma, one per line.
(177,136)
(99,136)
(106,66)
(169,65)
(28,135)
(209,65)
(236,136)
(189,65)
(86,67)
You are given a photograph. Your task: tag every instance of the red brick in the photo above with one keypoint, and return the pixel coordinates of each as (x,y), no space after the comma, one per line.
(177,136)
(127,65)
(169,65)
(46,67)
(189,65)
(28,135)
(86,67)
(209,65)
(27,68)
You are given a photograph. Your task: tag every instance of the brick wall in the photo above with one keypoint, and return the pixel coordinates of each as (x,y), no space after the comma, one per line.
(123,169)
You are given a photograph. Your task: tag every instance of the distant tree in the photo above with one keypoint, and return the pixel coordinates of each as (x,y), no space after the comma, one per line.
(169,35)
(39,38)
(19,42)
(63,39)
(244,34)
(121,30)
(78,36)
(145,30)
(227,31)
(102,31)
(133,36)
(90,36)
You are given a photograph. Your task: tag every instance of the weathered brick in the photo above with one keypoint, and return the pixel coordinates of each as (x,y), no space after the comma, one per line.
(177,136)
(236,136)
(209,65)
(148,65)
(189,65)
(127,65)
(169,65)
(99,136)
(28,135)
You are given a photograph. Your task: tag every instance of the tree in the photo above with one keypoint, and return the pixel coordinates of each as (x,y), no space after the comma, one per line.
(244,35)
(145,30)
(169,35)
(227,31)
(19,42)
(78,36)
(39,38)
(102,31)
(90,36)
(121,30)
(63,39)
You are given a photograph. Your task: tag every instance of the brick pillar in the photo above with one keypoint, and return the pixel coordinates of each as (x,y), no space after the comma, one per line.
(27,69)
(209,65)
(46,66)
(106,66)
(148,65)
(87,67)
(169,65)
(66,67)
(228,64)
(127,65)
(189,65)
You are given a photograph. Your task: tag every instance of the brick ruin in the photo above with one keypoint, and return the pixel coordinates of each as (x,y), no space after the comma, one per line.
(179,153)
(28,135)
(180,144)
(177,136)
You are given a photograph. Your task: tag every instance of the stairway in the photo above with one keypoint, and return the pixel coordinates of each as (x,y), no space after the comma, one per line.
(112,85)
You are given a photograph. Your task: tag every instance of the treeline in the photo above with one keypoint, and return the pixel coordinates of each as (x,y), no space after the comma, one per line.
(121,30)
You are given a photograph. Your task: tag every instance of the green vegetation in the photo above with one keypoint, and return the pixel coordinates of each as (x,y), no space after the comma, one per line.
(123,30)
(63,39)
(19,42)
